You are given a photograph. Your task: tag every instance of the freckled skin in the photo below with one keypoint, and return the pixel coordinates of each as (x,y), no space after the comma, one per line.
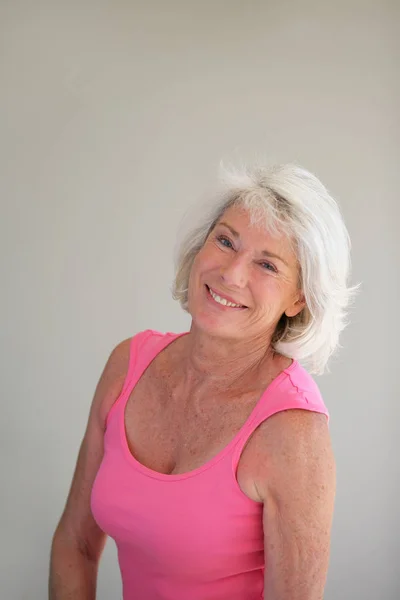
(200,390)
(192,400)
(236,266)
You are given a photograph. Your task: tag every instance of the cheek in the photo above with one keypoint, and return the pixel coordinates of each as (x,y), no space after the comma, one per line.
(200,266)
(269,294)
(205,260)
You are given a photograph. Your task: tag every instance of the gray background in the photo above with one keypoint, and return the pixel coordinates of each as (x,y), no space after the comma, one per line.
(114,116)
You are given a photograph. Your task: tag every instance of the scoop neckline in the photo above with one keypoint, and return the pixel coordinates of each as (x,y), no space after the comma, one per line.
(214,459)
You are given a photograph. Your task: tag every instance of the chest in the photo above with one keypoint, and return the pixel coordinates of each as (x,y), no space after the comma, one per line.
(173,435)
(189,531)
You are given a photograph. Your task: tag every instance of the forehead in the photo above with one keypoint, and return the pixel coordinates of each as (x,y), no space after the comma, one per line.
(258,236)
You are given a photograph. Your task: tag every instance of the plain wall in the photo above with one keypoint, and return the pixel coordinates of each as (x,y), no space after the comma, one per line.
(114,117)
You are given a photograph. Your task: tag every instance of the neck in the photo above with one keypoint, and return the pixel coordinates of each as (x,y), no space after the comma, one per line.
(223,362)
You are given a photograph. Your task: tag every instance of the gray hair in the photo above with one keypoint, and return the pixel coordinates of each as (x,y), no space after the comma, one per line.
(291,200)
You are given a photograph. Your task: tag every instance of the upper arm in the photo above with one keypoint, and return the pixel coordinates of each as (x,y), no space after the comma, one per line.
(298,489)
(77,525)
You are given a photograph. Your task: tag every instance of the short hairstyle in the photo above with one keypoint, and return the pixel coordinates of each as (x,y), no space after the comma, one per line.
(288,199)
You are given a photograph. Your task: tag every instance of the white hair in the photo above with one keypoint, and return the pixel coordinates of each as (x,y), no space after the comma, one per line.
(288,199)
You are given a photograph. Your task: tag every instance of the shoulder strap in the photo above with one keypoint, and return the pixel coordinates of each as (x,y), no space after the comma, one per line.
(144,347)
(136,345)
(295,390)
(137,341)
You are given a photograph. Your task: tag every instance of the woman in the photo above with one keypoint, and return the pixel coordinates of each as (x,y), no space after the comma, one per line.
(207,454)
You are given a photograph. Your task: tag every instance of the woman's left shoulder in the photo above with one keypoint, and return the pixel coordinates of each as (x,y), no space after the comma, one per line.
(297,426)
(298,423)
(296,390)
(294,443)
(294,433)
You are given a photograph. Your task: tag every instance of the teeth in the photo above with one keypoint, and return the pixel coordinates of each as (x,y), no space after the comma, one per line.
(223,300)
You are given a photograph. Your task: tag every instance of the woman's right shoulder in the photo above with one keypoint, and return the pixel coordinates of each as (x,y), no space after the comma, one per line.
(120,358)
(112,379)
(118,369)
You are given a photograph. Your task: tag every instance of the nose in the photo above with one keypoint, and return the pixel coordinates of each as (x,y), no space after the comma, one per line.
(234,272)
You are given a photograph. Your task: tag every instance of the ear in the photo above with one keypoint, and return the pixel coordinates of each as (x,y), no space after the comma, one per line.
(297,306)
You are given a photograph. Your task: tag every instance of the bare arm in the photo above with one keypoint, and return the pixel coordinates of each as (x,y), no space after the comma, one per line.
(78,541)
(298,492)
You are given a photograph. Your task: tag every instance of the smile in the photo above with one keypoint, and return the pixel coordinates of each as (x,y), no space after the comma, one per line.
(222,300)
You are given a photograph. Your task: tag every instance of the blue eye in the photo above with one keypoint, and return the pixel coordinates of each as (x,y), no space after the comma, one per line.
(268,266)
(224,241)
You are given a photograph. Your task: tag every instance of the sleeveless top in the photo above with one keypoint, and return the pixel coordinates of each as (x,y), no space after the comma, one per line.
(196,535)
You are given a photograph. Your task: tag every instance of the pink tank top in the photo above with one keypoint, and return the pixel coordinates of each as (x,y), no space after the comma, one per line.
(193,536)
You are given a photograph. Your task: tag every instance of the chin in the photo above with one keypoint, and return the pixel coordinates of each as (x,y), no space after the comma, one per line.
(213,326)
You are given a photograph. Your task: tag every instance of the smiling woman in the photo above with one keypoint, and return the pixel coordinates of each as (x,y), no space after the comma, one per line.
(231,265)
(207,455)
(294,211)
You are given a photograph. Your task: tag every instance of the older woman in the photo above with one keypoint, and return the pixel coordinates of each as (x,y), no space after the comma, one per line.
(207,454)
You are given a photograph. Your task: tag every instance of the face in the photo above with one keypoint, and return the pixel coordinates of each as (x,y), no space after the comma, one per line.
(243,280)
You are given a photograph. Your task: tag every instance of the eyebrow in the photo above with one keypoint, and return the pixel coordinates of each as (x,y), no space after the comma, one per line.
(264,252)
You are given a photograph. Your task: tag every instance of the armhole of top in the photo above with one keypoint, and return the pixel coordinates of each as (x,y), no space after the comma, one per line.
(135,344)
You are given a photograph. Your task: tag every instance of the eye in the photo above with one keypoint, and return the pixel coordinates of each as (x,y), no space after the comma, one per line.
(224,241)
(268,267)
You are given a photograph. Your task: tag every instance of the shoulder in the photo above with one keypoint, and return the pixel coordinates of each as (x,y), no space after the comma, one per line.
(126,353)
(112,378)
(116,372)
(295,437)
(117,363)
(120,353)
(123,354)
(293,431)
(299,412)
(294,445)
(294,389)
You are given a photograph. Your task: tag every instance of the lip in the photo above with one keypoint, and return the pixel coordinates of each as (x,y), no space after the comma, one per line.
(222,295)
